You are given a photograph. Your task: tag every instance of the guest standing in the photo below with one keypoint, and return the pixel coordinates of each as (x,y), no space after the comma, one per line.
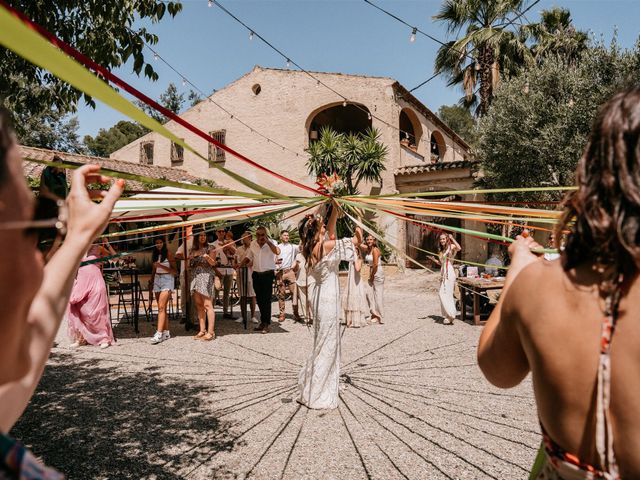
(202,267)
(319,377)
(375,290)
(448,247)
(574,323)
(354,299)
(242,260)
(224,251)
(285,276)
(88,310)
(162,279)
(262,254)
(304,287)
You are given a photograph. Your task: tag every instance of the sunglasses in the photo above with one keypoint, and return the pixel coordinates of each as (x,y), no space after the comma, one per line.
(49,219)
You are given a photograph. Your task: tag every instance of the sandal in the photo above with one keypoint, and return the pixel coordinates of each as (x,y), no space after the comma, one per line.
(199,335)
(209,336)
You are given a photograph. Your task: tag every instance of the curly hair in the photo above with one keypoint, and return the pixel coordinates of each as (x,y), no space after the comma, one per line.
(603,214)
(308,228)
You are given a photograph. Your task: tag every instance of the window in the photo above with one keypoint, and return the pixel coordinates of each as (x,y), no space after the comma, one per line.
(217,154)
(146,153)
(177,154)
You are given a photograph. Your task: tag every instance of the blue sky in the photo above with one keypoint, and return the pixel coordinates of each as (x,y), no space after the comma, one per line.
(346,36)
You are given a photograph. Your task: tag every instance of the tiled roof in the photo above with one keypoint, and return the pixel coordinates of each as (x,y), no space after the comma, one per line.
(34,170)
(433,167)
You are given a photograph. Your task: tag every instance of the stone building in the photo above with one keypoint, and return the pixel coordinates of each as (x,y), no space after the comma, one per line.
(268,109)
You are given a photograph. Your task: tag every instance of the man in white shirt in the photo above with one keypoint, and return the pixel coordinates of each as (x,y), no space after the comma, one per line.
(286,276)
(184,288)
(262,256)
(224,260)
(304,285)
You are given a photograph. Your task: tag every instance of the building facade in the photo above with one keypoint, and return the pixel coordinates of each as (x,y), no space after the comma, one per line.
(270,108)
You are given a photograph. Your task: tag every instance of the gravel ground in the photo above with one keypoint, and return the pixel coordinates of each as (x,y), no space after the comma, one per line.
(414,404)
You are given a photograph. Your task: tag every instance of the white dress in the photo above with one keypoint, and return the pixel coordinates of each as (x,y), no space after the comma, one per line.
(354,300)
(318,379)
(447,284)
(375,292)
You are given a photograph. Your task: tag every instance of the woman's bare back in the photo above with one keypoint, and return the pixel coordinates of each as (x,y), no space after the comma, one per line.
(559,316)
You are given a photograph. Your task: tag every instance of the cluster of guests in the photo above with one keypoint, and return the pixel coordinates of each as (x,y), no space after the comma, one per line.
(212,267)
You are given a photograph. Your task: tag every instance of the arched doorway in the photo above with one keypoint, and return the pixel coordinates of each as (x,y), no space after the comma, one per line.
(410,129)
(438,146)
(349,119)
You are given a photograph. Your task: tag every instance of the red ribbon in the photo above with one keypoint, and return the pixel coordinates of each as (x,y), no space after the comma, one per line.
(188,212)
(89,63)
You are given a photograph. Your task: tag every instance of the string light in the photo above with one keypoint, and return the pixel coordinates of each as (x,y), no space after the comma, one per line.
(184,81)
(288,63)
(369,116)
(412,38)
(155,56)
(251,34)
(210,3)
(525,89)
(344,104)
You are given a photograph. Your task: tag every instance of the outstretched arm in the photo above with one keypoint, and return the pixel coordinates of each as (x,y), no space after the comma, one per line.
(501,356)
(86,220)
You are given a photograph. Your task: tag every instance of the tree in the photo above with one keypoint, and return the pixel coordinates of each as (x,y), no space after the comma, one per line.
(354,157)
(108,141)
(170,99)
(50,130)
(487,50)
(539,122)
(101,29)
(460,120)
(194,98)
(555,35)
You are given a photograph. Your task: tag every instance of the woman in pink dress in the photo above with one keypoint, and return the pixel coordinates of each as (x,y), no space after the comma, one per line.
(88,311)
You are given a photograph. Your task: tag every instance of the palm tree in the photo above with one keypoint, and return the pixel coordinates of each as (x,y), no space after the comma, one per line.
(556,35)
(355,157)
(487,50)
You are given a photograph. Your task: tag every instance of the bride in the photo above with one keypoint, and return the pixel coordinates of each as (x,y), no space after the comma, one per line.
(318,379)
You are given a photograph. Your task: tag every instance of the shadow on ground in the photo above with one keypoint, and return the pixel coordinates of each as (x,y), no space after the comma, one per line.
(89,421)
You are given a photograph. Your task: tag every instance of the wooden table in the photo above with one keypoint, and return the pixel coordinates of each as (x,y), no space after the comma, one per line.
(476,287)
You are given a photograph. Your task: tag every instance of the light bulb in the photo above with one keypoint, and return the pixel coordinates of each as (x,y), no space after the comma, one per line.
(412,38)
(369,116)
(526,87)
(155,56)
(184,81)
(251,35)
(344,104)
(210,3)
(288,63)
(318,83)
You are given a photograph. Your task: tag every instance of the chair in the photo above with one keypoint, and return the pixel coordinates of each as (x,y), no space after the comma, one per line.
(130,293)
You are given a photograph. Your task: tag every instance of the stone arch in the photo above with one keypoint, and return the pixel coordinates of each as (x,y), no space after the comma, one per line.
(343,119)
(410,128)
(438,146)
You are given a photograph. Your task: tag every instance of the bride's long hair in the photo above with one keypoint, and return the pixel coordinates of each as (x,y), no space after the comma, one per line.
(309,230)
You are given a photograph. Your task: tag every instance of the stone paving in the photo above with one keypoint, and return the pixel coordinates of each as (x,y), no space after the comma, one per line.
(414,404)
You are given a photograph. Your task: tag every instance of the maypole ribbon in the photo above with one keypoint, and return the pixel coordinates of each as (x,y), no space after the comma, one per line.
(474,192)
(26,42)
(89,63)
